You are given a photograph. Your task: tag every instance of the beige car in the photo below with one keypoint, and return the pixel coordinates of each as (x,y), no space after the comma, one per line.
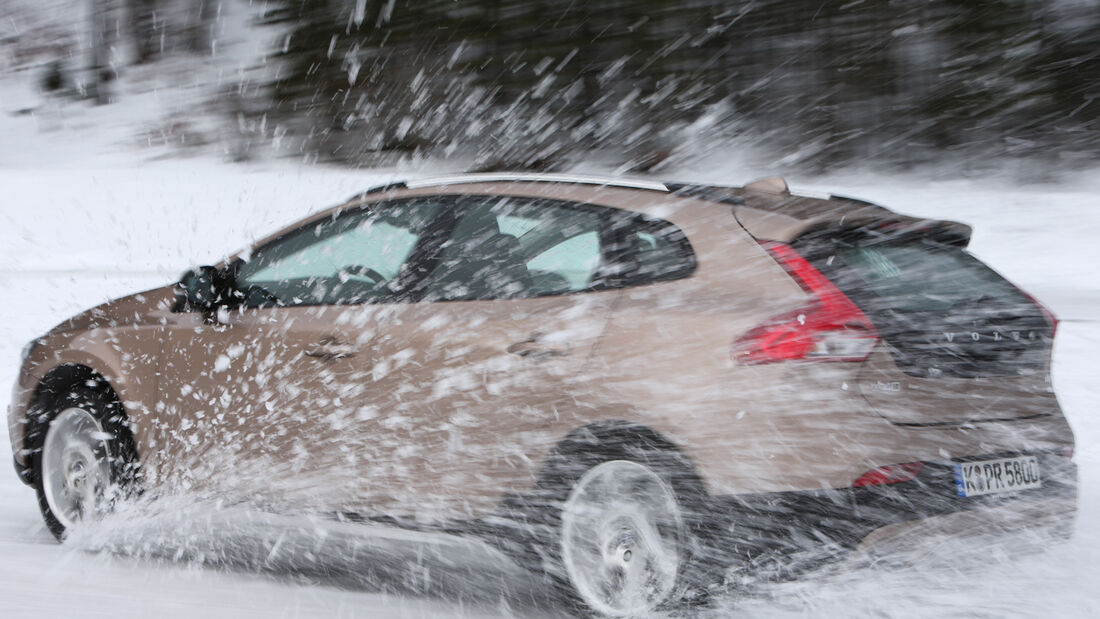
(631,386)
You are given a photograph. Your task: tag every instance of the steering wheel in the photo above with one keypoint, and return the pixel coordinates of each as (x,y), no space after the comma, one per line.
(358,270)
(258,296)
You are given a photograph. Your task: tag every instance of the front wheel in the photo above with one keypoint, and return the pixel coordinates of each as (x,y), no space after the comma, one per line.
(86,460)
(622,539)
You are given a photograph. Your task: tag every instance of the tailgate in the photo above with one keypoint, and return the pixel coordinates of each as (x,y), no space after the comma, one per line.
(911,400)
(959,342)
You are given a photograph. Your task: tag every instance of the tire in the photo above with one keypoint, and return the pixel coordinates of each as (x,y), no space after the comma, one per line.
(605,556)
(83,457)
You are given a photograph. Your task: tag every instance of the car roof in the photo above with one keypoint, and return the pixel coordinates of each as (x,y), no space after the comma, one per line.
(797,205)
(766,207)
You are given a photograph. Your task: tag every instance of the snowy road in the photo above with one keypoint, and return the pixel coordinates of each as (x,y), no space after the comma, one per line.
(62,250)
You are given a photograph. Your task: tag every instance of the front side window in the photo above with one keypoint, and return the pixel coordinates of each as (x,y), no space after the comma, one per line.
(359,257)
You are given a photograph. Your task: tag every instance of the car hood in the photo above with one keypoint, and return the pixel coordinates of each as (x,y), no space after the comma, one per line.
(134,309)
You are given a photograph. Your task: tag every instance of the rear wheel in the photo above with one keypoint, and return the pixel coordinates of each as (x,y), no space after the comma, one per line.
(86,460)
(615,524)
(622,539)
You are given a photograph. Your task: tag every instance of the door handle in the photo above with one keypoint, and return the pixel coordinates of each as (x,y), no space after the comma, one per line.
(331,349)
(532,349)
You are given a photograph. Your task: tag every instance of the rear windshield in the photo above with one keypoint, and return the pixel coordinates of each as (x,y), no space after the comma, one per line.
(918,276)
(941,310)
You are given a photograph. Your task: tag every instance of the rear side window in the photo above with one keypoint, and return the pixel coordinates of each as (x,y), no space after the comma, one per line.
(661,251)
(571,263)
(510,247)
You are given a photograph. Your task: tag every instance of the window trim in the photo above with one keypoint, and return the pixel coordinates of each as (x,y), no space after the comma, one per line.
(422,262)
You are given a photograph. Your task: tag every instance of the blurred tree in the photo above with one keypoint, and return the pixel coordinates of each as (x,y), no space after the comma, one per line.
(104,28)
(143,30)
(529,82)
(197,22)
(159,27)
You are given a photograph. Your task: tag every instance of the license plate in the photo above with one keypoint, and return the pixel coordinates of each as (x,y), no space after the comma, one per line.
(993,476)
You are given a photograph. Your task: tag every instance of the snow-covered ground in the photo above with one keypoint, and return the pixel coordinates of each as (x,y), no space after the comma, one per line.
(97,202)
(73,237)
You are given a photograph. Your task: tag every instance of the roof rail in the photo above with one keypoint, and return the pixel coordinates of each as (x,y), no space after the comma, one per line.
(378,189)
(459,179)
(714,193)
(536,178)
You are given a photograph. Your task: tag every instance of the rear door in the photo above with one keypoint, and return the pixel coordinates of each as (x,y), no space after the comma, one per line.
(495,352)
(961,343)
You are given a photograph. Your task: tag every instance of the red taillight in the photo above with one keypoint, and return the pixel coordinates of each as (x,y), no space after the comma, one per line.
(829,328)
(1049,315)
(890,474)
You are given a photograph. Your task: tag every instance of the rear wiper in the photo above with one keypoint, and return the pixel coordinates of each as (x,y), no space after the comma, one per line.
(981,300)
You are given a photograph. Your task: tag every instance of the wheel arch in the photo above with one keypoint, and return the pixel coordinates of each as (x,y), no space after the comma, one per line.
(616,438)
(529,523)
(57,382)
(58,361)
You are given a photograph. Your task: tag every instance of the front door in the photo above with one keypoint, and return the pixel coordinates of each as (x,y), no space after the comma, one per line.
(275,399)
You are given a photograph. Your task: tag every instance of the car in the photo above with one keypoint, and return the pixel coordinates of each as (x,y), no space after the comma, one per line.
(635,388)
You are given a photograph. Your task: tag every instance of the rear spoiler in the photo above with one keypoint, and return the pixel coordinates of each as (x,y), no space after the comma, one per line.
(849,217)
(943,232)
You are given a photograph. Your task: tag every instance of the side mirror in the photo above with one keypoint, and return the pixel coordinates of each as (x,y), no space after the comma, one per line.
(204,289)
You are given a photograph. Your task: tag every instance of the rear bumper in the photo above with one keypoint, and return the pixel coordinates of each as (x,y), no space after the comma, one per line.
(789,530)
(1009,527)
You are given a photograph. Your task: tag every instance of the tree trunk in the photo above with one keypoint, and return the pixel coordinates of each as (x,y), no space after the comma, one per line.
(99,63)
(200,21)
(143,29)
